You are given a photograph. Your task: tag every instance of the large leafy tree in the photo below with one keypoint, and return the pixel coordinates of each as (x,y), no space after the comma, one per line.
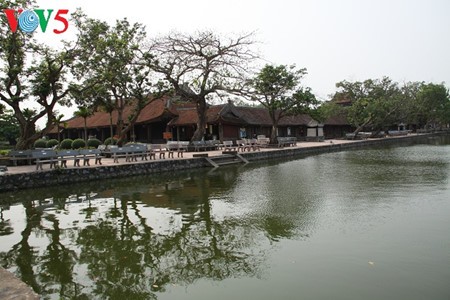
(279,90)
(33,78)
(202,65)
(117,68)
(375,103)
(432,105)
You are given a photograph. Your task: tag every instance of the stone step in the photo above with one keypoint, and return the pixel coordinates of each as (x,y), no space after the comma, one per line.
(231,162)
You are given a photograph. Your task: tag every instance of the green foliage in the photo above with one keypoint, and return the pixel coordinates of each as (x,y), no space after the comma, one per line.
(278,89)
(52,143)
(40,143)
(66,144)
(433,104)
(9,127)
(33,70)
(380,103)
(110,141)
(78,143)
(120,78)
(326,110)
(93,143)
(4,152)
(375,103)
(83,112)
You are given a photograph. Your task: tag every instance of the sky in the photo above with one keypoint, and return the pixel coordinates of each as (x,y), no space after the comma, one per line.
(334,40)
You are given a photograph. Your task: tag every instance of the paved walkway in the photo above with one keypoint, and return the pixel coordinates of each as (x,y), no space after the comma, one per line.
(109,161)
(13,288)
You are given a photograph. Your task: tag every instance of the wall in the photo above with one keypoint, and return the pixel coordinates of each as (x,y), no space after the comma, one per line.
(66,176)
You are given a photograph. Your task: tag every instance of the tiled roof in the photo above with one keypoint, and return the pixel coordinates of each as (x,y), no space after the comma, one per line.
(302,119)
(188,115)
(153,111)
(185,113)
(228,113)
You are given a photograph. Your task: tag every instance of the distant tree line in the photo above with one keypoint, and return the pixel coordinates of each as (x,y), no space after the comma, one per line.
(377,104)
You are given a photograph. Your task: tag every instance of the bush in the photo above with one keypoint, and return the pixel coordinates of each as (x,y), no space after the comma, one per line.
(52,143)
(93,143)
(66,144)
(78,143)
(110,141)
(122,142)
(40,143)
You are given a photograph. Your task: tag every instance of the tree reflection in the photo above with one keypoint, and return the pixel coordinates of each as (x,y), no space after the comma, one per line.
(22,255)
(57,263)
(5,225)
(113,251)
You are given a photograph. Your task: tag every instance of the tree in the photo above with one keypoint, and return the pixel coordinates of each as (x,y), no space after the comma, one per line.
(375,103)
(84,112)
(108,107)
(201,65)
(326,110)
(58,120)
(433,104)
(9,127)
(117,69)
(33,77)
(278,89)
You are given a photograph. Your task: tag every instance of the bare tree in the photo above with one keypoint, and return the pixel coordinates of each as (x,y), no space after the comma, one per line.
(202,65)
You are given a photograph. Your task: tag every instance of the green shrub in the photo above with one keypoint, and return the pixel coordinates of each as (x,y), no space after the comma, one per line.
(66,144)
(78,143)
(52,143)
(110,141)
(93,143)
(40,143)
(122,142)
(4,152)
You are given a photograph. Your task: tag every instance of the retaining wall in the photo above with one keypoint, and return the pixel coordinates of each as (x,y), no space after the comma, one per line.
(67,176)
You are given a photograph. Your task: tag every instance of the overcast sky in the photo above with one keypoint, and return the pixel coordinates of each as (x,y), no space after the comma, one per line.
(334,39)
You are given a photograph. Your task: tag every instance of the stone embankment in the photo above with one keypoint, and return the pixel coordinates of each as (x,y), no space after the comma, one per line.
(30,179)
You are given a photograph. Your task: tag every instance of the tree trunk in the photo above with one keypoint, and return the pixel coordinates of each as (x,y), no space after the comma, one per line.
(111,125)
(119,132)
(27,137)
(361,127)
(273,134)
(85,130)
(199,133)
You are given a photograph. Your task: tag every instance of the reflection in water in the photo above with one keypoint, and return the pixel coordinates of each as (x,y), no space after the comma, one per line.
(139,237)
(133,237)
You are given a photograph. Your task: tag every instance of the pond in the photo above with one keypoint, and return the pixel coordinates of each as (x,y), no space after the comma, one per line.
(363,224)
